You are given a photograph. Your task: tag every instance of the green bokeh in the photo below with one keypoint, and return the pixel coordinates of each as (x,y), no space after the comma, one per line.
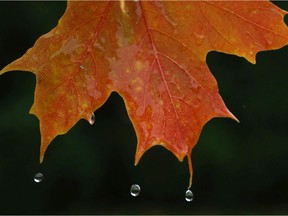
(238,168)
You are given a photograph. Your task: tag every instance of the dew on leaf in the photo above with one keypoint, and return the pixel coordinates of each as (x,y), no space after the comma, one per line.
(38,177)
(189,195)
(92,119)
(135,190)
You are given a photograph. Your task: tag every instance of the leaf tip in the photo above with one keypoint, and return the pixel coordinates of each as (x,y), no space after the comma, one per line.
(41,158)
(3,70)
(234,118)
(190,170)
(251,58)
(43,149)
(137,158)
(139,153)
(230,115)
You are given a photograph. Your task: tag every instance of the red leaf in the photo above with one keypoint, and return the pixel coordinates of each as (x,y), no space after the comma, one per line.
(153,54)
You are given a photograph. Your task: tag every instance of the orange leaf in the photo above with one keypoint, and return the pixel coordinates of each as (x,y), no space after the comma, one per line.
(153,54)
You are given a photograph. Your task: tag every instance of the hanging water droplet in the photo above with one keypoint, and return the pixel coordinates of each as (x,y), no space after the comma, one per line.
(92,119)
(38,177)
(189,195)
(135,190)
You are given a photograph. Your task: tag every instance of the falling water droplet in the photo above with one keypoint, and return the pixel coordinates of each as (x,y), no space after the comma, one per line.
(135,190)
(38,177)
(92,119)
(189,195)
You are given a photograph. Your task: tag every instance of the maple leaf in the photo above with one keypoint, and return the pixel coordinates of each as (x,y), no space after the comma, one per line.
(153,53)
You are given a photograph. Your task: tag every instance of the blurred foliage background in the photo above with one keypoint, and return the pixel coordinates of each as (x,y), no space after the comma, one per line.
(238,168)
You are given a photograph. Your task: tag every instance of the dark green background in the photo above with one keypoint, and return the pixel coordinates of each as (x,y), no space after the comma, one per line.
(238,168)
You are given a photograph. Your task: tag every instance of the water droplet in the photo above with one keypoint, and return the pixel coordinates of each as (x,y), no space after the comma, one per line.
(38,177)
(135,190)
(92,119)
(189,195)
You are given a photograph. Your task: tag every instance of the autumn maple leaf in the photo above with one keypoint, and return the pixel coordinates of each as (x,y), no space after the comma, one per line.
(153,53)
